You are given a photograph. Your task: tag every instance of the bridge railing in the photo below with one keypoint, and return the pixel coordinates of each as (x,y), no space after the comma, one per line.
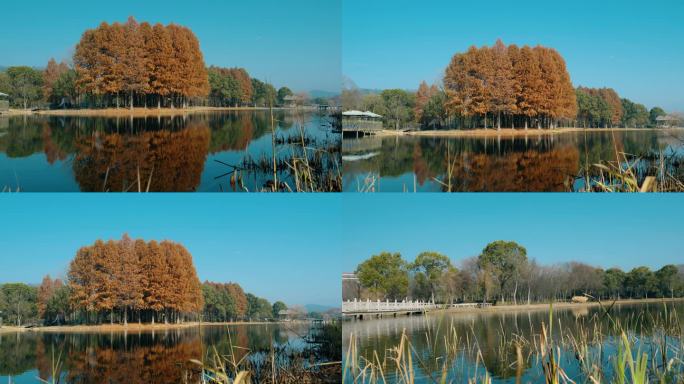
(370,306)
(361,306)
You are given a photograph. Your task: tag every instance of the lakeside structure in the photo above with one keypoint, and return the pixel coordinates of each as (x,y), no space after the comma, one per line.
(361,123)
(668,121)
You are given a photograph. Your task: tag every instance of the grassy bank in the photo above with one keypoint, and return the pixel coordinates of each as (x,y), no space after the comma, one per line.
(557,305)
(510,132)
(132,327)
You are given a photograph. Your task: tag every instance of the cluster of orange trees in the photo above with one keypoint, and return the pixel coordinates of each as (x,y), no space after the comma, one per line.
(131,280)
(514,86)
(134,280)
(145,64)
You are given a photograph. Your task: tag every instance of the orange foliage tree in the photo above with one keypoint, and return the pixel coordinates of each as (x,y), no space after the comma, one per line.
(141,64)
(133,279)
(51,74)
(515,86)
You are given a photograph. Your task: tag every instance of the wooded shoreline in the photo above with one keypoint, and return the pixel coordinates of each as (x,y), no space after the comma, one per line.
(511,132)
(136,112)
(135,327)
(556,305)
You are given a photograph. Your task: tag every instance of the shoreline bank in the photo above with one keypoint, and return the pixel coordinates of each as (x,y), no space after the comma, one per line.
(510,132)
(139,112)
(545,306)
(133,327)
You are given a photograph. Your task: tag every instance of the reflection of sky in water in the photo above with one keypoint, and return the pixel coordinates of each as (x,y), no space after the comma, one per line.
(33,173)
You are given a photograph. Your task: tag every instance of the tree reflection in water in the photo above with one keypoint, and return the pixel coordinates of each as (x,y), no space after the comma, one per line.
(533,163)
(137,357)
(158,161)
(168,153)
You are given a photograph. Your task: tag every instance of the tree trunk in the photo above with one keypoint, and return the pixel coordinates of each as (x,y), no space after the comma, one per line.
(515,293)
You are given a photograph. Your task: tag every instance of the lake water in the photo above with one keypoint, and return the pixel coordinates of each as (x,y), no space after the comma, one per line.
(495,334)
(138,357)
(192,152)
(534,163)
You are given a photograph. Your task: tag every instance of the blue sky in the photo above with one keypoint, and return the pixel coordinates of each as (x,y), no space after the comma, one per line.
(294,43)
(635,47)
(599,229)
(282,247)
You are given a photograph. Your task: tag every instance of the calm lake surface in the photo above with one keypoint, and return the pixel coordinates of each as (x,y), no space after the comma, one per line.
(136,357)
(193,152)
(485,330)
(533,163)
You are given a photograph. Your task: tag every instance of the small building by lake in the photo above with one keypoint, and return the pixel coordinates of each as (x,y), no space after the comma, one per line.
(357,122)
(287,315)
(668,121)
(292,101)
(351,286)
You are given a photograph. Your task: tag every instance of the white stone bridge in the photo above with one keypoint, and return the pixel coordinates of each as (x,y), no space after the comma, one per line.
(361,309)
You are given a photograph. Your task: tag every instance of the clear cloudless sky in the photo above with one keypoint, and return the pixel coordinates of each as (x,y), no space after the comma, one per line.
(635,47)
(281,247)
(294,43)
(603,230)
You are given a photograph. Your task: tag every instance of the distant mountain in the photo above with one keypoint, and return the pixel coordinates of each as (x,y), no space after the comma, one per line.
(368,91)
(318,308)
(324,94)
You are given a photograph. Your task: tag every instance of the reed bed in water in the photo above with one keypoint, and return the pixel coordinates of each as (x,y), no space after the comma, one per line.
(651,172)
(312,164)
(630,173)
(319,362)
(638,348)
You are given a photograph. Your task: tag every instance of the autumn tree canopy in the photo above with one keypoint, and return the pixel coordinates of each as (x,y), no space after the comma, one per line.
(51,76)
(511,85)
(598,107)
(141,63)
(152,280)
(224,301)
(230,87)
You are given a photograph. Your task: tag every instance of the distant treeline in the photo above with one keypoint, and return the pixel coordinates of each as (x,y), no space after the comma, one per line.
(131,281)
(504,86)
(503,273)
(138,65)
